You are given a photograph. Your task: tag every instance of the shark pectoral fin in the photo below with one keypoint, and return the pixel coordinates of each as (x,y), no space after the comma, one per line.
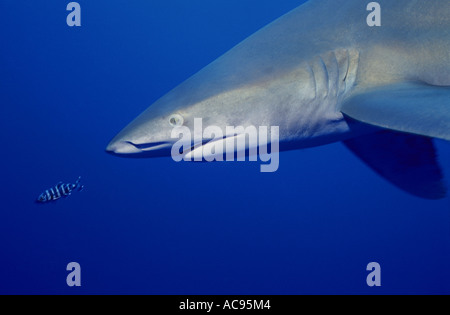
(407,161)
(408,107)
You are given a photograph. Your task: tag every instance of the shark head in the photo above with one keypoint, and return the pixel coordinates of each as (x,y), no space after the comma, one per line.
(258,83)
(257,96)
(216,95)
(274,78)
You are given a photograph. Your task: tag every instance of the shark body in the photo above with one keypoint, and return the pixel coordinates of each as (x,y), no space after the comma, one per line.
(323,75)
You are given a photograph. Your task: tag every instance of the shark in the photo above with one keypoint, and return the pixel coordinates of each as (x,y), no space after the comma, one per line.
(323,74)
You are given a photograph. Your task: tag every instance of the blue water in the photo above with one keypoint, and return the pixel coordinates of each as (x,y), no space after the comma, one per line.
(157,227)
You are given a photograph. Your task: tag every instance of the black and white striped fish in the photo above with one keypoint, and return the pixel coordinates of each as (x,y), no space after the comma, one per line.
(61,190)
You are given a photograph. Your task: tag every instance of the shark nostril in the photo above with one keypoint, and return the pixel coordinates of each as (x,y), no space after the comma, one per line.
(130,149)
(122,147)
(131,143)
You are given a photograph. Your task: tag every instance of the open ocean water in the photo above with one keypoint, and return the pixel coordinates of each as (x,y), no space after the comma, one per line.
(153,226)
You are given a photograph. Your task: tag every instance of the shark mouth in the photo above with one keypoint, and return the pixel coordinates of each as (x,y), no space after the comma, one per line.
(204,149)
(156,146)
(194,151)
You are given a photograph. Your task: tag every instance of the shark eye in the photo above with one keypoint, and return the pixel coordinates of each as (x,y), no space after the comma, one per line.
(176,120)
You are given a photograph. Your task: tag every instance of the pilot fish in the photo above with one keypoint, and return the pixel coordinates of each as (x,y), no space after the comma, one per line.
(61,190)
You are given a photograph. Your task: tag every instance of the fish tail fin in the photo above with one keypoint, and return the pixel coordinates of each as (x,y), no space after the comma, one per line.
(78,185)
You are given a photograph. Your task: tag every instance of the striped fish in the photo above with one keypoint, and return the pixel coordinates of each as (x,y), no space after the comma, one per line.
(61,190)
